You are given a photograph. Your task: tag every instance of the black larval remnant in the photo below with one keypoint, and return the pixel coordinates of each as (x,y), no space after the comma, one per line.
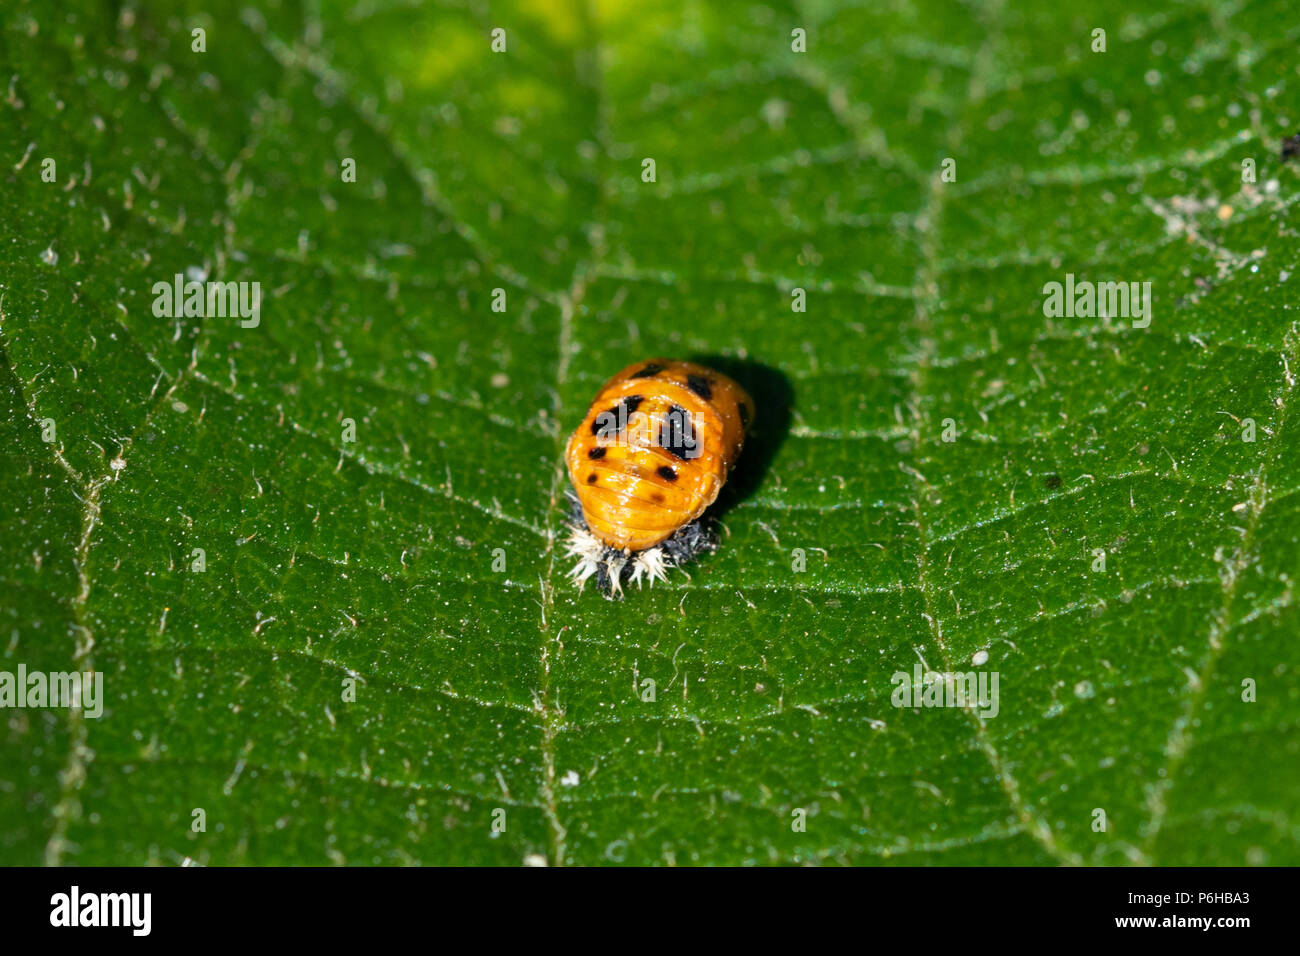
(1291,148)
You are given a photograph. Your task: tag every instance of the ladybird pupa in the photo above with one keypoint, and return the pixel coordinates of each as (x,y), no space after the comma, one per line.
(650,456)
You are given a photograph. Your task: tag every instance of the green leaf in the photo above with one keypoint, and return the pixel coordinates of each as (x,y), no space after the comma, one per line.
(485,696)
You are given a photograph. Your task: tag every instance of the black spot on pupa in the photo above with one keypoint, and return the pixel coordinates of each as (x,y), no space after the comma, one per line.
(1053,481)
(652,369)
(596,453)
(612,421)
(677,434)
(666,472)
(657,498)
(700,385)
(591,479)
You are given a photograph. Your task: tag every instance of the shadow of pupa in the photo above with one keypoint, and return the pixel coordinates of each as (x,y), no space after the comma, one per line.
(773,398)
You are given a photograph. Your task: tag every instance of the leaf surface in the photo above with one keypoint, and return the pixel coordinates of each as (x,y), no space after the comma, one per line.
(485,696)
